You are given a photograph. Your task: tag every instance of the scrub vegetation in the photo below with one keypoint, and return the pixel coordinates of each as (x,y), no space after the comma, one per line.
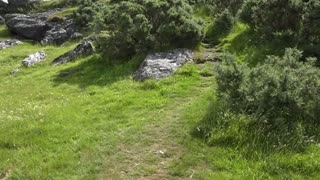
(252,115)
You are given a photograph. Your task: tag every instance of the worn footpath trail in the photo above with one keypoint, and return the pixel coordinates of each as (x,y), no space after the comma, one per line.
(158,145)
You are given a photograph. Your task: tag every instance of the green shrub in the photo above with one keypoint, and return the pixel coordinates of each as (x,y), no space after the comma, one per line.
(296,19)
(281,95)
(281,89)
(273,16)
(221,27)
(137,26)
(232,5)
(89,11)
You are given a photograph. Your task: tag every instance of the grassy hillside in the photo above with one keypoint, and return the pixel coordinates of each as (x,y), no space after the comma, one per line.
(64,122)
(89,119)
(250,46)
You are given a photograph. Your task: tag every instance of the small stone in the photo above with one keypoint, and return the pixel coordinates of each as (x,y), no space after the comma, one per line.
(9,43)
(160,153)
(34,58)
(15,72)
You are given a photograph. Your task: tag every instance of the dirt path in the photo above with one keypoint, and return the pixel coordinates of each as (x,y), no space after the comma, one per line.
(158,144)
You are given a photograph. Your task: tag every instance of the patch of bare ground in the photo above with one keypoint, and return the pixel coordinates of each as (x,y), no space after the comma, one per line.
(5,175)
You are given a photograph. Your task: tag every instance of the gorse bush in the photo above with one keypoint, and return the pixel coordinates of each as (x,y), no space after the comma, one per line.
(283,89)
(272,16)
(89,11)
(233,6)
(293,21)
(298,18)
(221,27)
(281,96)
(136,26)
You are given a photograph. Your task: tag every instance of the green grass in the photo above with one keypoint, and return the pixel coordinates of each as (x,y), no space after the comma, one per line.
(220,155)
(250,46)
(89,120)
(62,122)
(66,12)
(46,5)
(225,161)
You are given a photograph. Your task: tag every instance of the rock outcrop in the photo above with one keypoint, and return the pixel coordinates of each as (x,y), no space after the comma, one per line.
(84,49)
(162,65)
(26,26)
(60,31)
(34,58)
(55,36)
(9,43)
(43,27)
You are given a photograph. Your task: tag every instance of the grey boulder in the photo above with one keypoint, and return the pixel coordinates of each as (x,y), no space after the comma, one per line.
(84,49)
(26,26)
(42,27)
(55,36)
(34,58)
(60,32)
(162,65)
(9,43)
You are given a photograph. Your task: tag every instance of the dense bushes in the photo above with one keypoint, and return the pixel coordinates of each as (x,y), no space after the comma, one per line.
(88,11)
(135,26)
(221,27)
(220,5)
(273,16)
(281,97)
(298,18)
(281,89)
(232,5)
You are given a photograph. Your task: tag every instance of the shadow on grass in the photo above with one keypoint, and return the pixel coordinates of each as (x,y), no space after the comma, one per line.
(95,70)
(253,47)
(251,134)
(8,146)
(243,138)
(225,128)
